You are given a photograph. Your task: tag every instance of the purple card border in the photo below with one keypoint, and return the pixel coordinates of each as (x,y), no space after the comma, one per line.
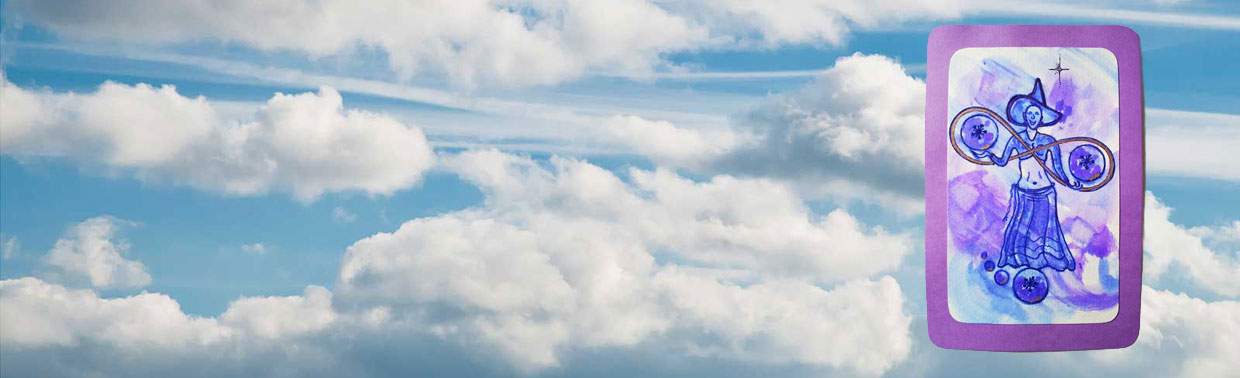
(1120,332)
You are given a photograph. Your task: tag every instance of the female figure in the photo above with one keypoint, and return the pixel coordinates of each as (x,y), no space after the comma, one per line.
(1032,236)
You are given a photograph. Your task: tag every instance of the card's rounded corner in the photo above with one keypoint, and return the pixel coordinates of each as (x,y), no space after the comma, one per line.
(935,33)
(950,316)
(940,338)
(939,41)
(1129,339)
(952,54)
(1127,33)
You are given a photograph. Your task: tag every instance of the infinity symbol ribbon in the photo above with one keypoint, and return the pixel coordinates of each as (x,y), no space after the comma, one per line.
(971,111)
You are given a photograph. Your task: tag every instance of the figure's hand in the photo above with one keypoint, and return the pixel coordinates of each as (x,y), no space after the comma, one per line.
(1076,184)
(980,155)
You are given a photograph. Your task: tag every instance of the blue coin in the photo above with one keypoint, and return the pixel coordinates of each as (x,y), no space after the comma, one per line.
(1086,163)
(979,132)
(1030,286)
(1001,277)
(990,265)
(983,255)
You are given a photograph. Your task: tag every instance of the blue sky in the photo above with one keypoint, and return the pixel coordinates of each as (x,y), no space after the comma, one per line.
(207,245)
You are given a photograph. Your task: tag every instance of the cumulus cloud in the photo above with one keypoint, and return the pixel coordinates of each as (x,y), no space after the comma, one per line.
(281,317)
(560,258)
(572,256)
(565,257)
(1219,237)
(306,144)
(480,41)
(855,132)
(795,322)
(1168,244)
(47,328)
(90,250)
(40,314)
(864,116)
(664,142)
(725,222)
(1201,333)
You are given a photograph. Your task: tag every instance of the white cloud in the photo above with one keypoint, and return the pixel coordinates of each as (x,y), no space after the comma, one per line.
(10,247)
(565,258)
(666,143)
(863,107)
(1180,336)
(1204,331)
(532,41)
(725,222)
(855,132)
(342,215)
(39,314)
(860,324)
(471,42)
(90,250)
(255,248)
(1219,237)
(559,259)
(1115,11)
(571,256)
(281,317)
(478,41)
(49,329)
(306,144)
(1168,3)
(1168,244)
(1192,144)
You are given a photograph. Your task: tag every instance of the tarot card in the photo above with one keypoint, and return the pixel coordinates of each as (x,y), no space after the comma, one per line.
(1034,185)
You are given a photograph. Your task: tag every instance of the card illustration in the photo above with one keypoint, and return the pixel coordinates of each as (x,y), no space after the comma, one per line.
(1032,208)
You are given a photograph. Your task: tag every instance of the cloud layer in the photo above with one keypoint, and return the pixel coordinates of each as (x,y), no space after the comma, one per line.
(564,259)
(1191,144)
(478,41)
(855,132)
(559,259)
(306,144)
(1170,245)
(572,256)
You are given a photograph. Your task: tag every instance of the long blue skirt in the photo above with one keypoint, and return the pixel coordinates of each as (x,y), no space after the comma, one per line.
(1032,236)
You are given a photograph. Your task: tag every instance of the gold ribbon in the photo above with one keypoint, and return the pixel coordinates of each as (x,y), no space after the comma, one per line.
(970,111)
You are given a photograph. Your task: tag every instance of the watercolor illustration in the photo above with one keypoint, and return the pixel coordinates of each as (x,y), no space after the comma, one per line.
(1032,186)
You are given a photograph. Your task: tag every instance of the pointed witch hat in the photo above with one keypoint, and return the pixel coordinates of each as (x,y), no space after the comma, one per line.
(1017,105)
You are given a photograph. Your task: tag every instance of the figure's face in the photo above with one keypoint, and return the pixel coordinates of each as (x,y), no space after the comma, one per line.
(1033,116)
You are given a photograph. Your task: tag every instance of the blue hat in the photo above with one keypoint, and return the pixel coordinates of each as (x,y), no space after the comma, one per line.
(1017,105)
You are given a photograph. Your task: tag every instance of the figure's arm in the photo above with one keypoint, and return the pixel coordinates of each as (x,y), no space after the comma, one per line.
(1007,153)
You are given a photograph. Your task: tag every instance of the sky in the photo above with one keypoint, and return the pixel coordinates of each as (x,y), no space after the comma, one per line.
(543,188)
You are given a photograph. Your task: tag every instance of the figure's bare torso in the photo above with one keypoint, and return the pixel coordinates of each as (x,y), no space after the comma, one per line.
(1032,174)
